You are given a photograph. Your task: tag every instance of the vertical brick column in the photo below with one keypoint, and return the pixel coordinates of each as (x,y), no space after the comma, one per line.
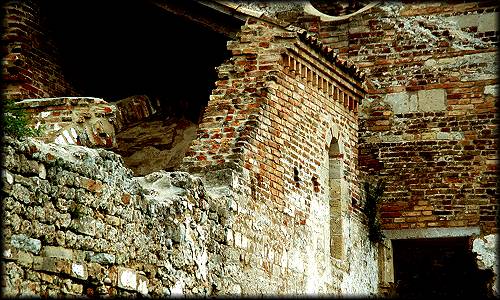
(30,66)
(230,120)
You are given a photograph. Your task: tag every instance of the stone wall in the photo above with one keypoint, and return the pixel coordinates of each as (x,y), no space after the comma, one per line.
(277,107)
(77,223)
(30,61)
(427,125)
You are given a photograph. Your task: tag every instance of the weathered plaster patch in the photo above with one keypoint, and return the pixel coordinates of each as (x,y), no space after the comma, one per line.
(479,66)
(487,257)
(401,102)
(488,22)
(486,251)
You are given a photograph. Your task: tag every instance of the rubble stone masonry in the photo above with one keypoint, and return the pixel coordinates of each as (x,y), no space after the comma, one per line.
(428,123)
(76,222)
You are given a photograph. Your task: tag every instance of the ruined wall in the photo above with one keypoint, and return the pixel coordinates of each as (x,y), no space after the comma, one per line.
(30,61)
(264,139)
(77,223)
(427,125)
(82,121)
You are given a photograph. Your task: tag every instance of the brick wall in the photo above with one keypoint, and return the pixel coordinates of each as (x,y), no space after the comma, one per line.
(82,121)
(277,106)
(427,125)
(30,64)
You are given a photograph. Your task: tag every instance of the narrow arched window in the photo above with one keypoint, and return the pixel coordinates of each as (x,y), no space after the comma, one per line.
(335,191)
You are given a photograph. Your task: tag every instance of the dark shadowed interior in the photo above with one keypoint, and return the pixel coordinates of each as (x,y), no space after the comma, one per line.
(438,267)
(114,50)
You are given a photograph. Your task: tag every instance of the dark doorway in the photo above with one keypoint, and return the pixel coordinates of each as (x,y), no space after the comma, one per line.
(438,267)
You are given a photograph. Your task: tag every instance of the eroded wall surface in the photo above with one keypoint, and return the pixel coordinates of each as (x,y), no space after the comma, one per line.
(266,130)
(76,222)
(427,125)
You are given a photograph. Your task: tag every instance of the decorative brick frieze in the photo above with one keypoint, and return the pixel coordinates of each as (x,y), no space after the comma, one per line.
(324,80)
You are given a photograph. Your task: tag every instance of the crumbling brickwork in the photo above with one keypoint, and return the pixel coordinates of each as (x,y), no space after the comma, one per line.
(30,62)
(82,121)
(427,125)
(272,119)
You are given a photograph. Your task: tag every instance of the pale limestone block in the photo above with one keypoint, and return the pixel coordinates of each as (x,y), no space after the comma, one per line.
(428,136)
(79,271)
(8,176)
(431,100)
(488,22)
(401,102)
(60,140)
(68,137)
(42,173)
(244,242)
(358,29)
(443,136)
(237,239)
(23,242)
(142,284)
(229,236)
(127,278)
(491,90)
(59,252)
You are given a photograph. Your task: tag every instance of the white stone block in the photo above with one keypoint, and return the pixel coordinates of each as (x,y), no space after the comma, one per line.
(60,140)
(431,100)
(68,137)
(79,271)
(488,22)
(229,236)
(42,173)
(237,239)
(8,177)
(127,278)
(491,90)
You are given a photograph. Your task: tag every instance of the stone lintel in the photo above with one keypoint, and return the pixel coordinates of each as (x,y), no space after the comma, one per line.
(431,233)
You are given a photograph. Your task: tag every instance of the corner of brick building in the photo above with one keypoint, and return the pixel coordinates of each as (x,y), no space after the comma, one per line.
(269,122)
